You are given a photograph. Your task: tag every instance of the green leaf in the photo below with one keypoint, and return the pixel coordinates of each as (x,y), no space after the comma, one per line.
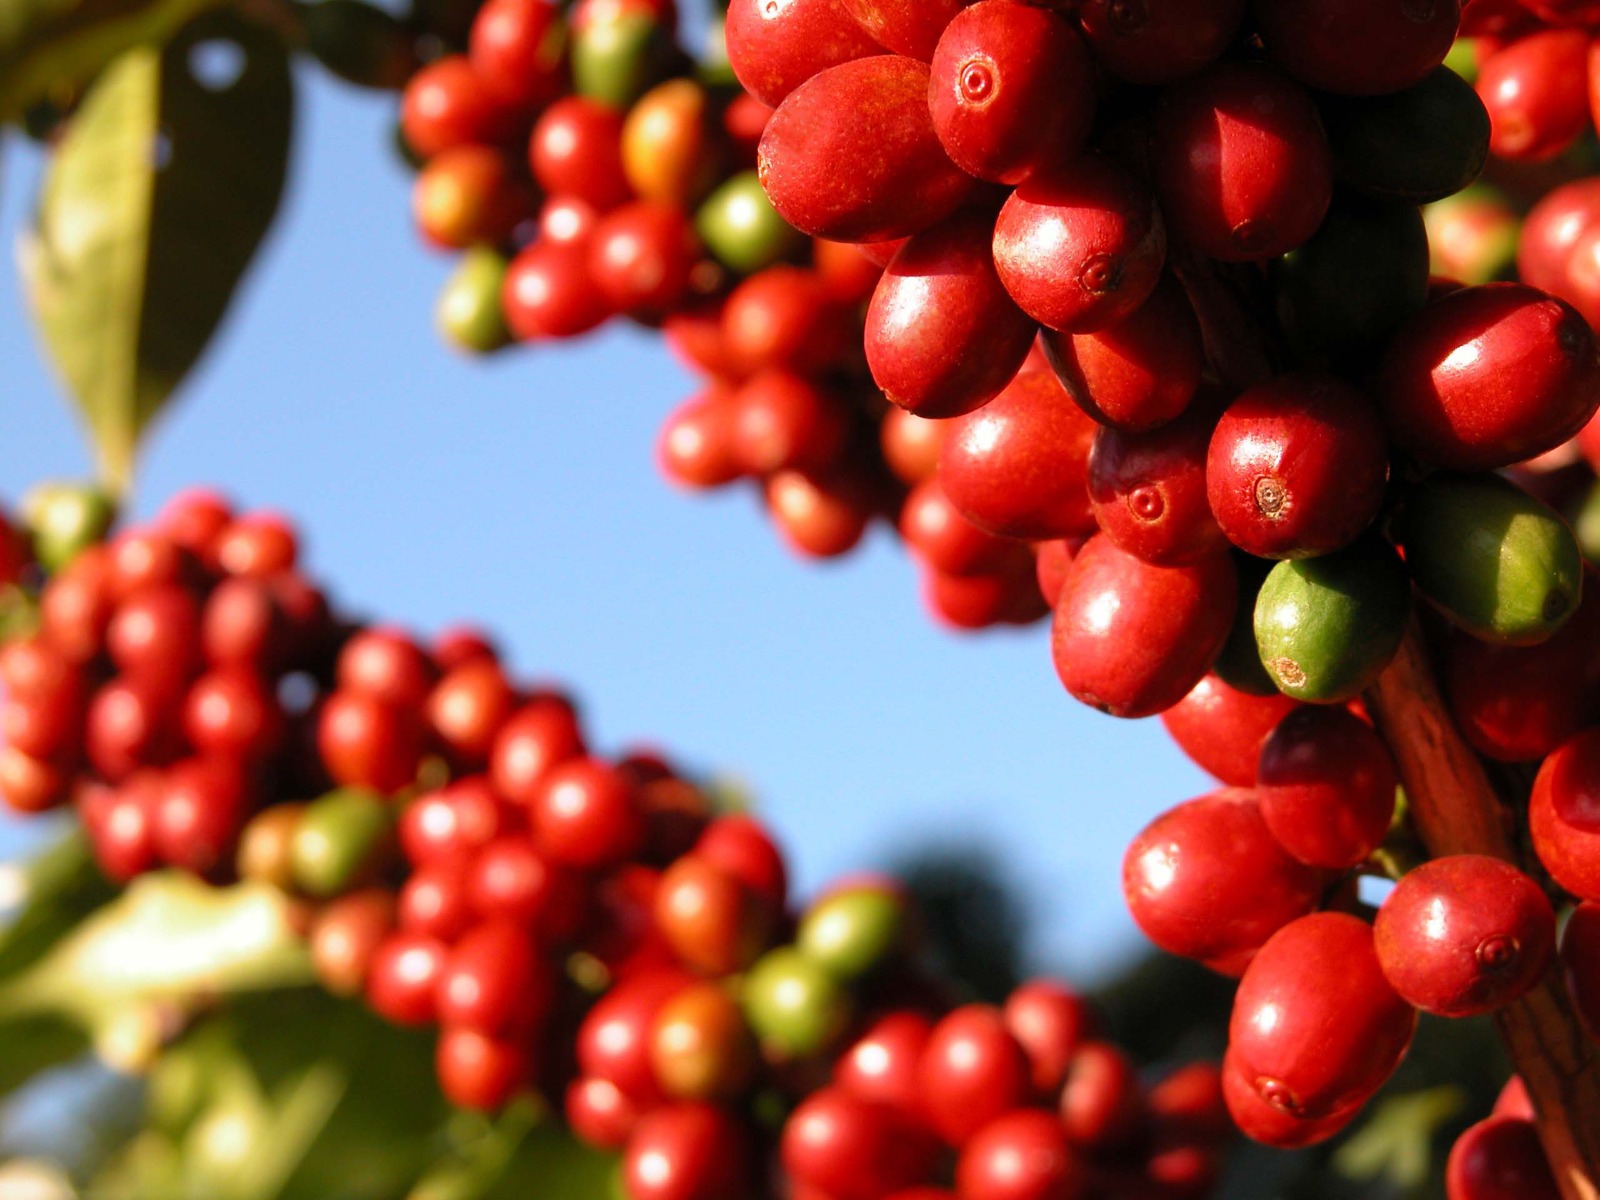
(163,187)
(1396,1142)
(51,47)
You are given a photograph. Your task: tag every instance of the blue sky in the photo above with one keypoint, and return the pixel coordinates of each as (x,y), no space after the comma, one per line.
(521,493)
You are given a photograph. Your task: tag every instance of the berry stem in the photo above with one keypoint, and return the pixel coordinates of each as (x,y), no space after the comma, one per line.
(1458,810)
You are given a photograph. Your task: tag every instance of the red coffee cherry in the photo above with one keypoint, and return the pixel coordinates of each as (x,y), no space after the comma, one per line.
(242,625)
(233,713)
(853,1149)
(883,1064)
(910,444)
(1011,91)
(576,150)
(403,977)
(1102,1103)
(1159,41)
(1222,729)
(818,516)
(783,422)
(1082,247)
(198,808)
(614,1040)
(641,257)
(194,518)
(1017,466)
(1316,1028)
(742,847)
(549,292)
(510,880)
(712,921)
(1358,47)
(449,825)
(873,113)
(1208,881)
(1564,815)
(1327,787)
(1050,1021)
(447,103)
(785,317)
(1500,1158)
(700,1046)
(387,665)
(1442,384)
(1008,595)
(76,606)
(1023,1155)
(539,735)
(467,195)
(1297,467)
(1138,373)
(1535,89)
(972,1071)
(479,1071)
(1188,1103)
(1551,230)
(909,27)
(1464,935)
(467,708)
(1132,639)
(434,901)
(695,449)
(518,48)
(942,336)
(130,725)
(941,537)
(587,815)
(599,1113)
(494,982)
(1241,163)
(258,545)
(139,559)
(365,742)
(687,1151)
(774,48)
(1261,1121)
(1580,957)
(345,937)
(1149,490)
(155,636)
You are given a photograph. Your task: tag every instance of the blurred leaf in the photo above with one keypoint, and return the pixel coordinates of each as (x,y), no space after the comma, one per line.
(157,198)
(973,920)
(46,896)
(1396,1141)
(51,46)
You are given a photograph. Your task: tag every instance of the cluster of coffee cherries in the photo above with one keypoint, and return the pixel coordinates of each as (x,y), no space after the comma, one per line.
(591,929)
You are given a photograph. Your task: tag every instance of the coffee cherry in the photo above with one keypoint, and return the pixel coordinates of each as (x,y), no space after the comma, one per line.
(1082,247)
(576,150)
(493,982)
(942,335)
(1241,163)
(1022,1155)
(700,1046)
(1260,1120)
(1500,1159)
(1208,881)
(130,725)
(1149,490)
(1564,815)
(613,1042)
(883,1065)
(818,516)
(641,257)
(796,1008)
(518,48)
(1327,787)
(909,27)
(345,937)
(774,48)
(365,742)
(387,665)
(783,422)
(1357,47)
(469,194)
(466,709)
(586,815)
(448,104)
(854,930)
(743,848)
(1534,89)
(1017,466)
(1188,1103)
(1464,935)
(784,318)
(1493,559)
(65,520)
(972,1071)
(853,1149)
(434,900)
(448,826)
(1102,1105)
(1131,639)
(1138,373)
(873,113)
(599,1114)
(712,921)
(1297,467)
(669,149)
(1050,1021)
(76,607)
(155,637)
(695,449)
(477,1070)
(233,713)
(403,978)
(1326,627)
(1316,1028)
(687,1151)
(1580,959)
(1159,41)
(1551,230)
(1011,91)
(945,540)
(1222,729)
(1442,384)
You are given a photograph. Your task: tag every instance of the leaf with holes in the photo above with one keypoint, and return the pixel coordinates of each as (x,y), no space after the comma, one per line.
(156,201)
(50,48)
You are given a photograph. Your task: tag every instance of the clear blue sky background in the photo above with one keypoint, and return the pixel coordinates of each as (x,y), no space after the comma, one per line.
(522,493)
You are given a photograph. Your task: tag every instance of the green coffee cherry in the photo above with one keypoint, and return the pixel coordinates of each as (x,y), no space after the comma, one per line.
(1413,147)
(1499,563)
(340,840)
(65,519)
(795,1007)
(1586,524)
(468,314)
(741,228)
(1326,627)
(360,43)
(854,931)
(616,61)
